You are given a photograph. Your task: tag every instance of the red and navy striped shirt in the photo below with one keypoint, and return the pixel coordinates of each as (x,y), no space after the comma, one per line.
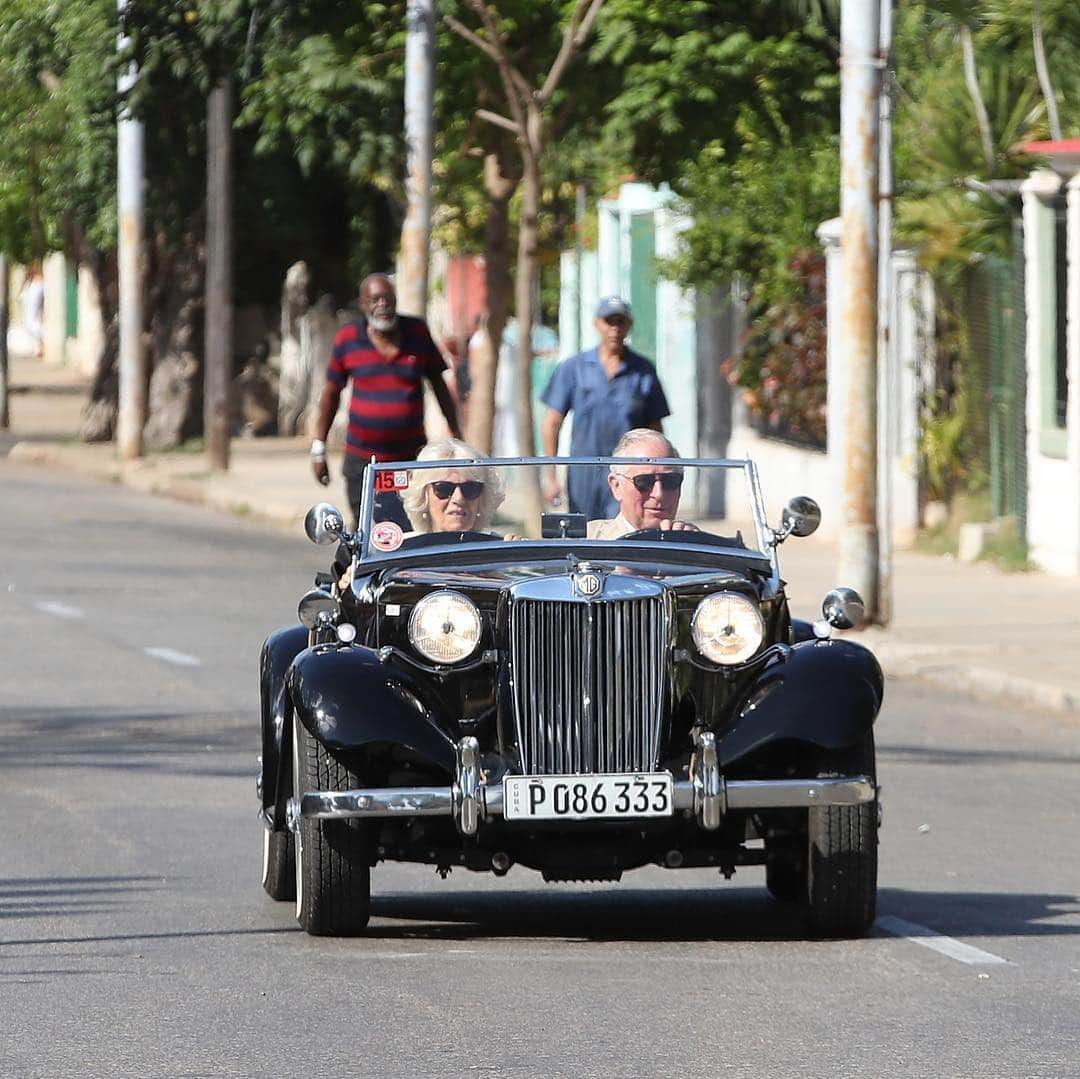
(386,411)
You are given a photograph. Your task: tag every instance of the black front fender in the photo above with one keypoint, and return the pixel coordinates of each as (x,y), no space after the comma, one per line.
(278,651)
(827,693)
(347,698)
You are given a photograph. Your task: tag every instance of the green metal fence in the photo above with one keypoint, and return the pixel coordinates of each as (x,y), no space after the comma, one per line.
(996,380)
(71,300)
(643,282)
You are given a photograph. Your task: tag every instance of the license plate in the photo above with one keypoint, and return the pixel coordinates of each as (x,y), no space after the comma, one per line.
(598,797)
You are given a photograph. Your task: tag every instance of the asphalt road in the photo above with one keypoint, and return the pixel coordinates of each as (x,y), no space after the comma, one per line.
(135,939)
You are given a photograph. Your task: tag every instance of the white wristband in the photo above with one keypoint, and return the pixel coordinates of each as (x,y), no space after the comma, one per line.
(318,448)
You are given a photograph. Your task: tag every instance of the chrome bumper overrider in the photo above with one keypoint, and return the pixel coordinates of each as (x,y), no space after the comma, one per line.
(706,794)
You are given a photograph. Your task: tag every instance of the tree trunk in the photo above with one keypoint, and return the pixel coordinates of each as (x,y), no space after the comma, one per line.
(525,299)
(971,78)
(176,348)
(98,421)
(5,418)
(1043,71)
(318,328)
(524,309)
(175,305)
(294,388)
(499,185)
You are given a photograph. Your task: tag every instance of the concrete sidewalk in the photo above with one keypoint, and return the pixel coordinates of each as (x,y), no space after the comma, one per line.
(968,628)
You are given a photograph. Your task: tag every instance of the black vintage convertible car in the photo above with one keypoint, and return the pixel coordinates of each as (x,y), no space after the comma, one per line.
(500,685)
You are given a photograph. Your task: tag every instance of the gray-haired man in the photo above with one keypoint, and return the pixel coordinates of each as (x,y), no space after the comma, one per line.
(648,495)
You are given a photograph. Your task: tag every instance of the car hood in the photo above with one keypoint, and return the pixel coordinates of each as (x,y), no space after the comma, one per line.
(496,578)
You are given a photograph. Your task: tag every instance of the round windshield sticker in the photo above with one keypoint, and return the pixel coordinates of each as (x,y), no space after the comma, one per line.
(387,536)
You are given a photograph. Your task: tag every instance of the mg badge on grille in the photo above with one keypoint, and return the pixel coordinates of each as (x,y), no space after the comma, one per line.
(588,584)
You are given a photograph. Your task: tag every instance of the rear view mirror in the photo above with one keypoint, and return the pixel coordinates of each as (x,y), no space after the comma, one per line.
(563,525)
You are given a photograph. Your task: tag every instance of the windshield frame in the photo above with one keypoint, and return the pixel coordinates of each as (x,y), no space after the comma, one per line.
(370,558)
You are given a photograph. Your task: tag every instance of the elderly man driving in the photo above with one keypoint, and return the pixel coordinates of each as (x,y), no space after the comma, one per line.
(648,495)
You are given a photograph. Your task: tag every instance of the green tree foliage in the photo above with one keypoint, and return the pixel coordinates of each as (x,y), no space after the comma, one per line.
(318,134)
(318,145)
(468,81)
(328,98)
(958,136)
(945,209)
(691,70)
(753,208)
(1007,27)
(737,106)
(57,132)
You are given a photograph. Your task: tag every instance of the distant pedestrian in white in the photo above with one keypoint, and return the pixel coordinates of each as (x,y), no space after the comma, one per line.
(32,299)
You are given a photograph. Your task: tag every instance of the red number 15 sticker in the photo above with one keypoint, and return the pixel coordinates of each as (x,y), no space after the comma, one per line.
(397,480)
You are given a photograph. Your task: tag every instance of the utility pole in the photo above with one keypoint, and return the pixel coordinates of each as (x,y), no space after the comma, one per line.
(131,415)
(888,381)
(217,346)
(5,416)
(412,284)
(860,77)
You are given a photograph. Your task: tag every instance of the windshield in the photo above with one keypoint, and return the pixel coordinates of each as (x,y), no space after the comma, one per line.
(420,505)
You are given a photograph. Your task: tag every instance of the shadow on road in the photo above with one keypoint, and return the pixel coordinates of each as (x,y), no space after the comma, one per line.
(601,915)
(730,914)
(63,901)
(986,914)
(66,898)
(633,914)
(920,754)
(182,743)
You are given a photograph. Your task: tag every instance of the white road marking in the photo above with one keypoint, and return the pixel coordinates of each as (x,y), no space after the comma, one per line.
(938,942)
(61,610)
(170,655)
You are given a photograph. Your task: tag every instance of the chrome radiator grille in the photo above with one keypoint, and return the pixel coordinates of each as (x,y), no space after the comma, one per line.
(588,683)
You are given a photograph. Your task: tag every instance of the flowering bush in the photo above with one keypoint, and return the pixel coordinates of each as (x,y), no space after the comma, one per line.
(782,365)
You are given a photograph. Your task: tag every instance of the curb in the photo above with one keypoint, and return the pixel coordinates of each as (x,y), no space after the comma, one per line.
(44,453)
(143,477)
(916,662)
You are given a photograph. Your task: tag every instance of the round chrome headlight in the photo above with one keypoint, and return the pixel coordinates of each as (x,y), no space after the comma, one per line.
(445,627)
(727,628)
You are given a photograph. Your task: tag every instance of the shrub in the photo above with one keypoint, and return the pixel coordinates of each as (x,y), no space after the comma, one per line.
(782,366)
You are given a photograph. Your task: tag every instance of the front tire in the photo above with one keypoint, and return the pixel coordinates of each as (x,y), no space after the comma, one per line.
(279,865)
(842,855)
(333,857)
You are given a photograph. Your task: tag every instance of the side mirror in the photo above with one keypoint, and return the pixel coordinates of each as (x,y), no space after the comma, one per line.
(324,524)
(844,608)
(801,517)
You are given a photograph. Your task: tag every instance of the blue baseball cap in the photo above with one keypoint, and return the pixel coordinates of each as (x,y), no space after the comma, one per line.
(612,306)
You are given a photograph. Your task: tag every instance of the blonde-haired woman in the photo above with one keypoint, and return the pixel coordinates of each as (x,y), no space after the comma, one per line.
(456,498)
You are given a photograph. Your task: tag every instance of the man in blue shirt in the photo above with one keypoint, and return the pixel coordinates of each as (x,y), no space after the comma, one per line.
(610,389)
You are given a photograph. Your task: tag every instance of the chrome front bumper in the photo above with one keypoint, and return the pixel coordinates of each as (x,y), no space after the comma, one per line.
(707,795)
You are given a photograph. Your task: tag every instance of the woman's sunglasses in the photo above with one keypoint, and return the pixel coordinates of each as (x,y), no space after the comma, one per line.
(469,488)
(669,481)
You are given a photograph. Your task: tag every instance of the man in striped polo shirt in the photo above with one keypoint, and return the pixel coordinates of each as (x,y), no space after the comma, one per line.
(387,356)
